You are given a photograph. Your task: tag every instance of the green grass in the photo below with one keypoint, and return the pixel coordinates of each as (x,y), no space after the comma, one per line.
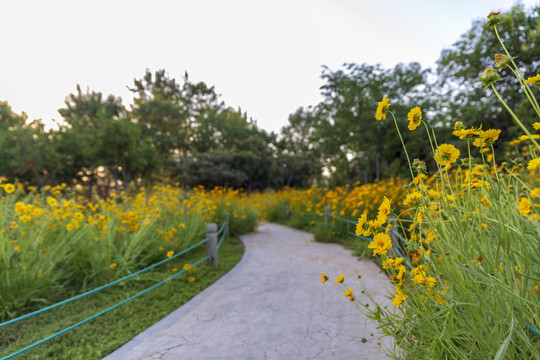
(101,336)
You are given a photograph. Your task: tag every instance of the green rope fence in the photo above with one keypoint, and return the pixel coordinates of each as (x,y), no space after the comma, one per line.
(222,231)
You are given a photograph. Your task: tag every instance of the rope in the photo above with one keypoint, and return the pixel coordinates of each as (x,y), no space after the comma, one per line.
(222,228)
(225,230)
(343,219)
(101,313)
(533,329)
(360,236)
(101,287)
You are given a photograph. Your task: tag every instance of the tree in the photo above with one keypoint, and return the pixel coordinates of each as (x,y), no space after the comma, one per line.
(99,145)
(299,157)
(355,145)
(26,151)
(165,110)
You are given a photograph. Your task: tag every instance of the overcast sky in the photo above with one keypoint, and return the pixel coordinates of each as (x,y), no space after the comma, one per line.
(264,56)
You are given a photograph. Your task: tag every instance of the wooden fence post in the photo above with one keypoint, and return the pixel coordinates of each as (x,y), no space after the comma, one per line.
(326,214)
(211,244)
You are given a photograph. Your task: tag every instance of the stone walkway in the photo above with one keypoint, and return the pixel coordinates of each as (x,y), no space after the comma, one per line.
(272,305)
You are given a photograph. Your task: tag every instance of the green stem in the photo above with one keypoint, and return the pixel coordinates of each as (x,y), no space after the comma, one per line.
(516,119)
(520,77)
(402,143)
(531,97)
(470,172)
(494,163)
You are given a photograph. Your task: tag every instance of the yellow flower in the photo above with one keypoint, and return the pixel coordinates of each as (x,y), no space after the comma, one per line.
(398,298)
(487,138)
(191,279)
(324,277)
(413,199)
(26,219)
(9,188)
(535,194)
(52,201)
(362,227)
(340,279)
(384,208)
(533,80)
(382,107)
(18,249)
(113,266)
(466,133)
(536,125)
(533,164)
(388,263)
(524,207)
(348,293)
(446,155)
(415,118)
(170,253)
(380,244)
(181,225)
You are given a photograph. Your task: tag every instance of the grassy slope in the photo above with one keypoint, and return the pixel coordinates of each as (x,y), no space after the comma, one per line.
(120,325)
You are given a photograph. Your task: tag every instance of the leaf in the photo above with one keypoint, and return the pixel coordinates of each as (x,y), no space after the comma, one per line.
(504,347)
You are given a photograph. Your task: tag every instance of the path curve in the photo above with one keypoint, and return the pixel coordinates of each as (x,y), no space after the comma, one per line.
(271,306)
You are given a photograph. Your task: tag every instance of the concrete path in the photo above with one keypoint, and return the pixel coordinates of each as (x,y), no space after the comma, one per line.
(272,305)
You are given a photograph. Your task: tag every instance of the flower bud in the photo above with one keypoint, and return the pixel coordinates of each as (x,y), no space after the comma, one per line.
(502,60)
(493,19)
(419,166)
(459,125)
(489,77)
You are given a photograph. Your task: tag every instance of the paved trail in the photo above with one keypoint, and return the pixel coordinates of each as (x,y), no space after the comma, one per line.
(271,306)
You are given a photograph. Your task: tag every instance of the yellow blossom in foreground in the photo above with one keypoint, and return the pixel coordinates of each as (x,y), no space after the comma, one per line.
(382,107)
(466,133)
(113,266)
(324,277)
(380,244)
(388,263)
(487,138)
(536,125)
(524,206)
(186,267)
(170,253)
(535,194)
(399,298)
(18,249)
(362,227)
(533,164)
(415,118)
(340,279)
(348,293)
(191,279)
(446,155)
(533,80)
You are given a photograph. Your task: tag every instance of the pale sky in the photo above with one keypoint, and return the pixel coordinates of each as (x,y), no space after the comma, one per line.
(264,56)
